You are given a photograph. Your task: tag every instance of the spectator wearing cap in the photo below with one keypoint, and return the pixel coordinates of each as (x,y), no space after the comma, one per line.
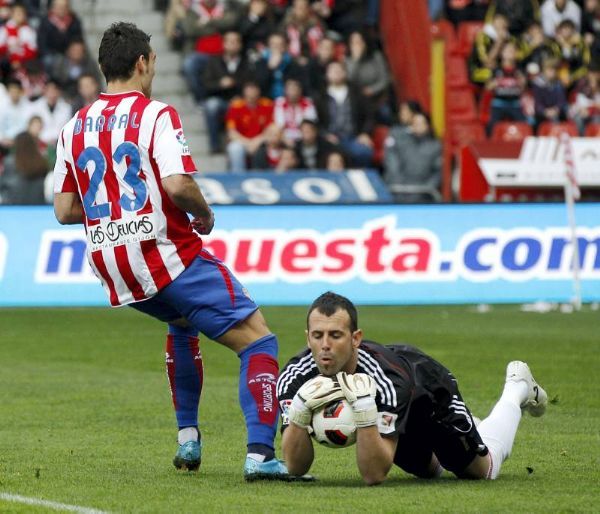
(223,79)
(346,116)
(556,11)
(53,110)
(18,43)
(312,148)
(57,30)
(291,109)
(246,121)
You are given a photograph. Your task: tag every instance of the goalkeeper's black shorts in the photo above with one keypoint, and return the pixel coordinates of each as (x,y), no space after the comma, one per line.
(440,423)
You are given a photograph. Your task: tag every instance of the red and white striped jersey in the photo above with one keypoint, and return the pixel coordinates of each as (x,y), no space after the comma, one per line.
(114,153)
(289,116)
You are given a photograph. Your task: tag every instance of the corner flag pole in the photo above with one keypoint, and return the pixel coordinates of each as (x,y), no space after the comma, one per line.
(572,193)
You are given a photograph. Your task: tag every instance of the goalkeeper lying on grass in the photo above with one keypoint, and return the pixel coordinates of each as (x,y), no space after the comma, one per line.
(407,406)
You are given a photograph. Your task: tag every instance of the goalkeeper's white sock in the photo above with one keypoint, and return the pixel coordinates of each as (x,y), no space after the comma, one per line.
(498,430)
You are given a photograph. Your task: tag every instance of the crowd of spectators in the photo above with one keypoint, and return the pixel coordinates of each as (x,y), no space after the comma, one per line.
(285,84)
(536,61)
(46,74)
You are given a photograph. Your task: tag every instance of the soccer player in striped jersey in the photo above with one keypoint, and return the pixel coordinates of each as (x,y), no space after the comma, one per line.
(124,170)
(406,406)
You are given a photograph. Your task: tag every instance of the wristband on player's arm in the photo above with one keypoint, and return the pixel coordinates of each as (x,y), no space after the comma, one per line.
(298,413)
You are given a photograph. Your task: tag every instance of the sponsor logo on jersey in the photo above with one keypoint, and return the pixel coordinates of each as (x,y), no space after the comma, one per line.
(110,233)
(284,405)
(185,149)
(386,422)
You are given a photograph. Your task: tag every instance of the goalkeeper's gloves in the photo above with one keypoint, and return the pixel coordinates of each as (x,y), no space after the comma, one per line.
(313,395)
(360,391)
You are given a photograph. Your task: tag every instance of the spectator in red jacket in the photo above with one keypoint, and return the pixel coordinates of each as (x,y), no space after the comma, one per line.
(246,120)
(57,30)
(17,40)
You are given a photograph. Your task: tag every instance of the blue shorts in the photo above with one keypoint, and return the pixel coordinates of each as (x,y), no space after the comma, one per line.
(206,294)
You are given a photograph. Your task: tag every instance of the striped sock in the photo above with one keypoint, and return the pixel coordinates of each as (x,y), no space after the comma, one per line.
(257,395)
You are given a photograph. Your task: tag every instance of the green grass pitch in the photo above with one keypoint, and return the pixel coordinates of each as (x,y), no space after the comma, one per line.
(86,418)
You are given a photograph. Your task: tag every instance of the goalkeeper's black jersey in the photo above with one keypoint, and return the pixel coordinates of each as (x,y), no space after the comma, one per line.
(411,386)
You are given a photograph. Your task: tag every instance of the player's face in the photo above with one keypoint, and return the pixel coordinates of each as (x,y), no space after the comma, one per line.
(332,343)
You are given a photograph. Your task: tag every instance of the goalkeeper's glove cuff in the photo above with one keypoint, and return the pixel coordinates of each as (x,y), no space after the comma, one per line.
(299,414)
(365,412)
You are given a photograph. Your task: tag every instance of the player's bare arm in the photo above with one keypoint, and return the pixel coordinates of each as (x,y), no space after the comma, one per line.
(185,194)
(297,448)
(374,454)
(68,208)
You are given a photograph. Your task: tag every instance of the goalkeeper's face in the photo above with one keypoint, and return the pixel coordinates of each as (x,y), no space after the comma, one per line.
(333,344)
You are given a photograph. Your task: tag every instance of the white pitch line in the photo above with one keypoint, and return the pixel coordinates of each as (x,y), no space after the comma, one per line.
(17,498)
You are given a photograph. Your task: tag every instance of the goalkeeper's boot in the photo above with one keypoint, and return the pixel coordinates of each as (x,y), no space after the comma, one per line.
(189,456)
(537,399)
(273,469)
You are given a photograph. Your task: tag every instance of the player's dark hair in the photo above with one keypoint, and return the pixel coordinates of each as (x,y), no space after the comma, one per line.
(329,303)
(120,48)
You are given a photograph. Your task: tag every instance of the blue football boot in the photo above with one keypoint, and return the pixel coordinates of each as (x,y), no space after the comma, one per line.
(188,456)
(273,469)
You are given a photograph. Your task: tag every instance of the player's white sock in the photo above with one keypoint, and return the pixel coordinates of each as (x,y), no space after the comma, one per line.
(187,434)
(257,456)
(498,430)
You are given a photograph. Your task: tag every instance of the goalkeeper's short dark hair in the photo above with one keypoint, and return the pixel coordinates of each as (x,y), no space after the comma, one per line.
(329,303)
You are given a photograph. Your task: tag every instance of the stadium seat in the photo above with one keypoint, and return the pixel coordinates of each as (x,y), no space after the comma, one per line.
(511,131)
(460,103)
(379,136)
(485,106)
(467,32)
(462,134)
(444,29)
(552,129)
(592,130)
(456,72)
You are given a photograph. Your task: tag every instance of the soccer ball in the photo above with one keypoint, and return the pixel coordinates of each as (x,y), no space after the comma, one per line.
(333,425)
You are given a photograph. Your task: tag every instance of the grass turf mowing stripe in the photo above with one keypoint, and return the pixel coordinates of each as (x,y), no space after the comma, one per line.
(16,498)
